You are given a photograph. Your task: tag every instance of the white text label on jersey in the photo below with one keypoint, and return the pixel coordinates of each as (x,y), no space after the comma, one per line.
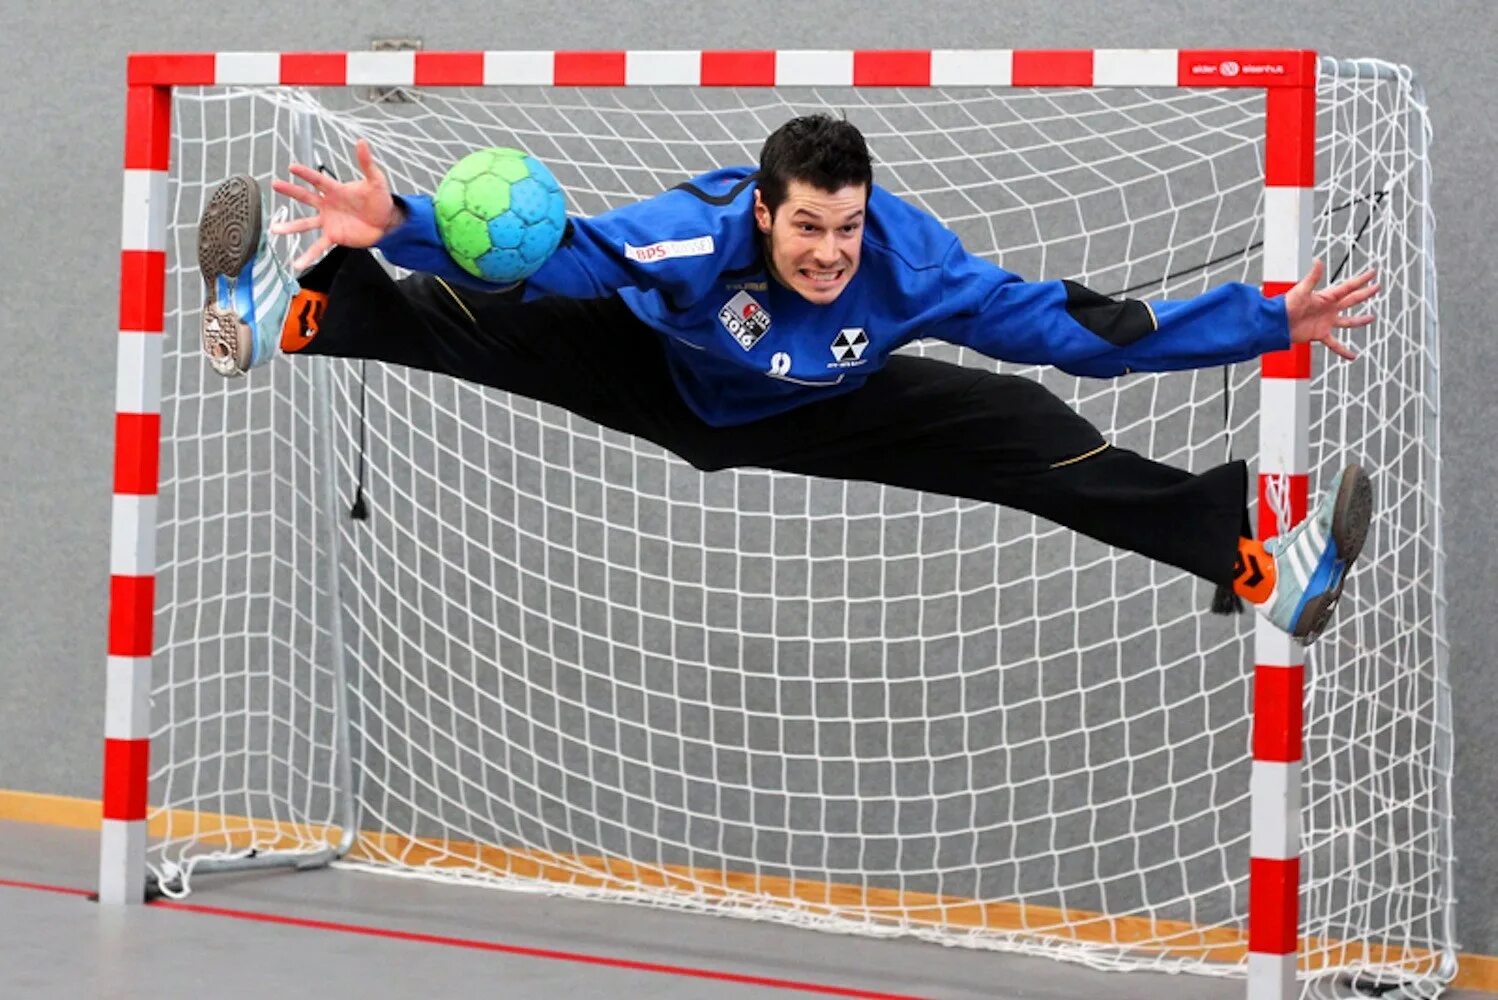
(697,246)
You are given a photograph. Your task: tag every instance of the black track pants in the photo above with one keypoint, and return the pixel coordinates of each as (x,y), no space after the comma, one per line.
(918,422)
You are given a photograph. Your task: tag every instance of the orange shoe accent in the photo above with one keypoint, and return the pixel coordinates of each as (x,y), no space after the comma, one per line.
(302,319)
(1254,572)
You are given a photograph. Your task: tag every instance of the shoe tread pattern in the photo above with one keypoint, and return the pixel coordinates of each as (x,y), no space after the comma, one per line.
(228,236)
(229,230)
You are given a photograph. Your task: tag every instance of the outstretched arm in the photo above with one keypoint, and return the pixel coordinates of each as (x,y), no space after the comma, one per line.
(1066,325)
(345,213)
(673,244)
(365,213)
(1315,315)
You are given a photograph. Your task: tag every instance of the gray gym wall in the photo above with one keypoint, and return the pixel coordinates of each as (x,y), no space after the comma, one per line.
(60,156)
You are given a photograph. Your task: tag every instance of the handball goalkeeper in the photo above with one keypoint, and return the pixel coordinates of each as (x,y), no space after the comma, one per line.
(750,317)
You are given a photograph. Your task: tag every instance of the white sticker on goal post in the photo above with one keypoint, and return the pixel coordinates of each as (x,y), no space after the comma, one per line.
(653,68)
(127,701)
(972,67)
(1288,232)
(122,861)
(1274,647)
(1135,68)
(132,535)
(814,68)
(697,246)
(1284,413)
(143,220)
(137,379)
(247,68)
(381,69)
(1271,977)
(519,68)
(1274,797)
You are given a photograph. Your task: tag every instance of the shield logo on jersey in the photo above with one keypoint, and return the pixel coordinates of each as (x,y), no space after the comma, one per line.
(848,346)
(744,319)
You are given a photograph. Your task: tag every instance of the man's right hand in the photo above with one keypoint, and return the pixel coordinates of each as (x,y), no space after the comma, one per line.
(346,213)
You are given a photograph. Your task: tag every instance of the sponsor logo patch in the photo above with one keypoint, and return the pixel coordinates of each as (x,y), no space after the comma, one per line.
(745,319)
(848,347)
(697,246)
(1228,69)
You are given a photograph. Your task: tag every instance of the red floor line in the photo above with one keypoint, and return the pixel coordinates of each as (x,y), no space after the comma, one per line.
(6,883)
(494,946)
(546,953)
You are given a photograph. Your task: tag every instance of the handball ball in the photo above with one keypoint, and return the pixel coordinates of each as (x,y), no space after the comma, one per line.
(500,214)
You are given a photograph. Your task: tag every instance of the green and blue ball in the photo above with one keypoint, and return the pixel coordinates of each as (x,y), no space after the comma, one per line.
(500,214)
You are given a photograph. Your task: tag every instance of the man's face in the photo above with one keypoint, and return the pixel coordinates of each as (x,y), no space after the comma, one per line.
(815,238)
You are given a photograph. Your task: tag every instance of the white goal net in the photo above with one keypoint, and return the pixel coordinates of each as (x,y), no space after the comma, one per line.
(556,658)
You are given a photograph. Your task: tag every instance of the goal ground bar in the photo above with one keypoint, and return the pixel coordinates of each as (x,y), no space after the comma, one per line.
(1215,944)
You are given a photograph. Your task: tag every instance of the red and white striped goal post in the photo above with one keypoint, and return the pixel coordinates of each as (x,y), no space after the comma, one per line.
(1288,78)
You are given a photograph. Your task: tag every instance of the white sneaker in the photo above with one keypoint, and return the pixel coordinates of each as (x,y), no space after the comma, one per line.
(248,288)
(1312,559)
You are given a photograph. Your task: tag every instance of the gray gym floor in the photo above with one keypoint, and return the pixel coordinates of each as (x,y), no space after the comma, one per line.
(347,934)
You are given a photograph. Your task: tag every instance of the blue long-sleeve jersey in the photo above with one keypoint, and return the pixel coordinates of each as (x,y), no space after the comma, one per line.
(690,263)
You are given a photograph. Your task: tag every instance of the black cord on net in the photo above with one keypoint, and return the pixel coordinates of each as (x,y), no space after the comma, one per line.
(1376,200)
(359,510)
(1224,600)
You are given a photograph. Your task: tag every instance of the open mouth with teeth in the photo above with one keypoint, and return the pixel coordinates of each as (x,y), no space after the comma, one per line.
(822,277)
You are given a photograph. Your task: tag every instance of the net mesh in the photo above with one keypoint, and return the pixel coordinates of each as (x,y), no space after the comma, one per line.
(575,664)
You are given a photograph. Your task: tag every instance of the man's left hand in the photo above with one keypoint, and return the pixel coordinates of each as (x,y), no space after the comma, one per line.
(1314,315)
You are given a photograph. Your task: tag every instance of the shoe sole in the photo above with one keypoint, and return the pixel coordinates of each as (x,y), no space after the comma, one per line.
(228,236)
(1351,514)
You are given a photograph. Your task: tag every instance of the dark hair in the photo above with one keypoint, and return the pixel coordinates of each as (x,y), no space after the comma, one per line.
(816,149)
